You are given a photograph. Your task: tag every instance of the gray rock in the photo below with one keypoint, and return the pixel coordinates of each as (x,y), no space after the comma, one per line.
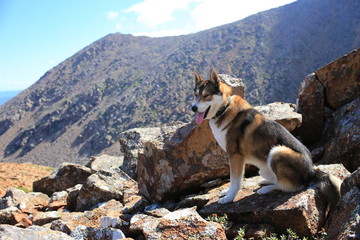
(6,216)
(283,113)
(18,198)
(344,222)
(73,194)
(178,160)
(43,218)
(71,220)
(103,186)
(340,79)
(105,162)
(132,143)
(66,176)
(83,232)
(8,232)
(180,224)
(342,137)
(351,182)
(310,104)
(237,84)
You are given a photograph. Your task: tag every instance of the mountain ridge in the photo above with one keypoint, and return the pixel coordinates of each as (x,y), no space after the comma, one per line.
(120,81)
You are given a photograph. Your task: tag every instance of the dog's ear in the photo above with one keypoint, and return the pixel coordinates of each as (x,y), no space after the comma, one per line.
(214,78)
(198,78)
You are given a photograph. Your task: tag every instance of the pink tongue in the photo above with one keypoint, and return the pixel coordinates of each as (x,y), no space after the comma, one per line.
(200,117)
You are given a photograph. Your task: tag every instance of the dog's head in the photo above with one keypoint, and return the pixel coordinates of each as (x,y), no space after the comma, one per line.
(210,95)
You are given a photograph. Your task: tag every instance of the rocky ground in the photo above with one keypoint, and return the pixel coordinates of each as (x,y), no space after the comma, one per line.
(88,202)
(20,175)
(167,184)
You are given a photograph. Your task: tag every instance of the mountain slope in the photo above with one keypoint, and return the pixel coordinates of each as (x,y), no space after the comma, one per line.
(120,81)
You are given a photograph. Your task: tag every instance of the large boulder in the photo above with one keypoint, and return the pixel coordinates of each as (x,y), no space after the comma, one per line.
(66,176)
(132,144)
(311,106)
(342,137)
(340,79)
(329,103)
(180,160)
(103,186)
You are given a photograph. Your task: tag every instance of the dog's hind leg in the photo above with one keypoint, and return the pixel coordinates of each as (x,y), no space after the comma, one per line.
(291,169)
(237,166)
(268,175)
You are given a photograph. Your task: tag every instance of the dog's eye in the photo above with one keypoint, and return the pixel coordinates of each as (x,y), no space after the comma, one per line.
(206,95)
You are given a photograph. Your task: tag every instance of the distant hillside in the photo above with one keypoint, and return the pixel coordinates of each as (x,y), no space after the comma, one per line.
(120,81)
(7,95)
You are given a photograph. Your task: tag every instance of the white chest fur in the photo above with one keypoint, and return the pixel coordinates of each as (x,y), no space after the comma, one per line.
(219,134)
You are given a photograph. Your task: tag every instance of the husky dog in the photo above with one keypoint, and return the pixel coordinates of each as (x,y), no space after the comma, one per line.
(248,137)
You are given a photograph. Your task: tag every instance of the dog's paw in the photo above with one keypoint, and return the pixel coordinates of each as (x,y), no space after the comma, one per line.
(225,199)
(265,182)
(224,192)
(266,189)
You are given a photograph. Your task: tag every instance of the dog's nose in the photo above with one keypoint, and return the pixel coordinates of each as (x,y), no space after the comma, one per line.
(194,108)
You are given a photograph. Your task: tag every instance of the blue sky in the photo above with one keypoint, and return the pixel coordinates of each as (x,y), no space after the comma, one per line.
(36,35)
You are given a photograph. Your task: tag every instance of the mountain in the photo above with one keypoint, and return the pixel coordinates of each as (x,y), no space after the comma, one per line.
(77,109)
(7,95)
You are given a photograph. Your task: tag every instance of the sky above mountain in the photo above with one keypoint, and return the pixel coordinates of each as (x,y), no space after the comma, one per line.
(36,35)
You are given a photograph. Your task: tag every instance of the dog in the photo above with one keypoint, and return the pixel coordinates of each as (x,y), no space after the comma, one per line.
(248,137)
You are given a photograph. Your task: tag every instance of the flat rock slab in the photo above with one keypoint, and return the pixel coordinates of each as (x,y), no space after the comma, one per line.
(181,224)
(307,208)
(303,211)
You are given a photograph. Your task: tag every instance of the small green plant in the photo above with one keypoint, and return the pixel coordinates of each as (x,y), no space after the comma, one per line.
(241,234)
(321,235)
(195,237)
(223,220)
(24,189)
(290,235)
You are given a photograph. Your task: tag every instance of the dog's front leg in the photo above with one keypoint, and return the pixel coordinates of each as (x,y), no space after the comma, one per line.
(237,165)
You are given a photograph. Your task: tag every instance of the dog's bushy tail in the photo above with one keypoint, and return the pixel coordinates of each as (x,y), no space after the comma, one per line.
(329,186)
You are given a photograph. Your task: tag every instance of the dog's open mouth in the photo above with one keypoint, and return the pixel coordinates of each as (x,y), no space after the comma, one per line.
(201,116)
